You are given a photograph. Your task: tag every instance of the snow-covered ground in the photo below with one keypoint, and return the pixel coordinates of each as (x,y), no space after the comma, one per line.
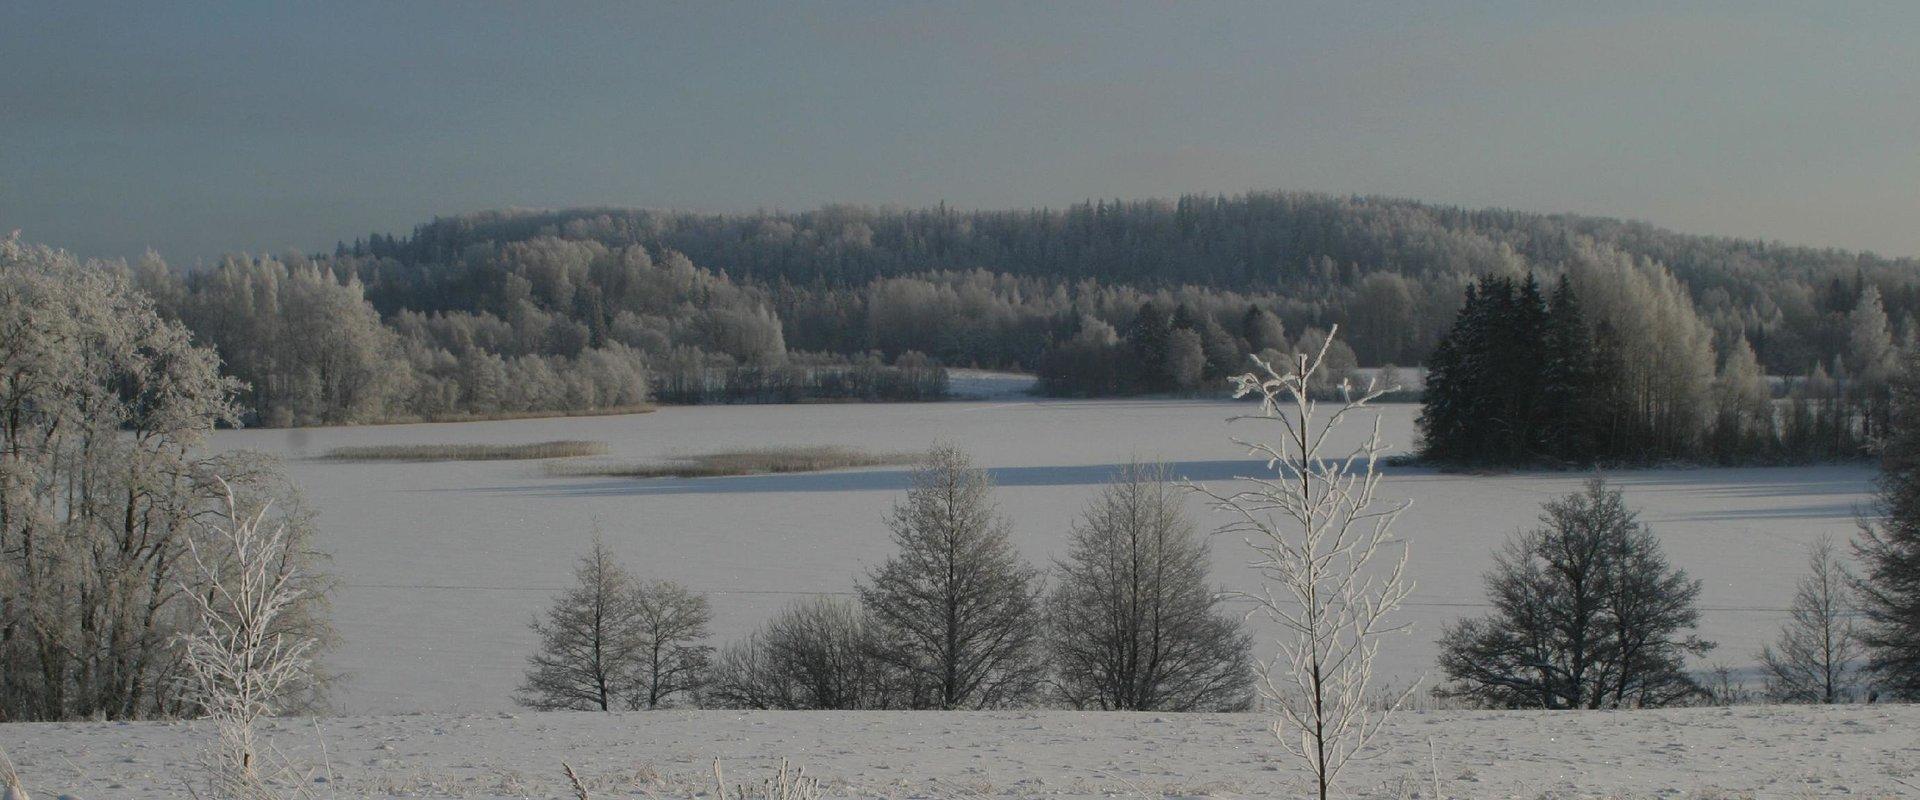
(1768,752)
(441,565)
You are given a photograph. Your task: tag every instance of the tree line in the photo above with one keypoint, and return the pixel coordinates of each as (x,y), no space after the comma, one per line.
(954,619)
(545,326)
(525,312)
(1585,612)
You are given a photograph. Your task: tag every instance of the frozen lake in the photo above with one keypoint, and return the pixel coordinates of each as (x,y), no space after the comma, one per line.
(441,565)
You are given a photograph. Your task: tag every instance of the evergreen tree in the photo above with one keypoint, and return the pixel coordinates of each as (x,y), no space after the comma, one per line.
(1486,398)
(1888,550)
(1521,355)
(1453,388)
(1150,336)
(1570,380)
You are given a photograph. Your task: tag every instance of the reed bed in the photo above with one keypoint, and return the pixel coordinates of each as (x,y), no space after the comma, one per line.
(757,461)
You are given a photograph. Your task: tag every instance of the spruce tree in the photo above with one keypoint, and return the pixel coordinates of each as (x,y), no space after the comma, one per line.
(1569,379)
(1522,356)
(1889,551)
(1151,336)
(1453,387)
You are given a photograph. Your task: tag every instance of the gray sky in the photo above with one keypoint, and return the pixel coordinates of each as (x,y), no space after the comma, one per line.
(198,129)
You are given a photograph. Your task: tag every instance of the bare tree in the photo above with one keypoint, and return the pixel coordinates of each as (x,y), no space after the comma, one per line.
(670,621)
(242,660)
(818,653)
(1331,569)
(589,641)
(1816,657)
(1133,624)
(1587,613)
(957,608)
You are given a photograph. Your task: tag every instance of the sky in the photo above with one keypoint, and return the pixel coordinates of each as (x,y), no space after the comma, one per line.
(199,129)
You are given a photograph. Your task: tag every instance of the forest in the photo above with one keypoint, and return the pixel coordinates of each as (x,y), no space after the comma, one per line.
(518,312)
(1389,271)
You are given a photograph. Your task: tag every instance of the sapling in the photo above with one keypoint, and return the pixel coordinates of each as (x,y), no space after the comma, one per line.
(1331,570)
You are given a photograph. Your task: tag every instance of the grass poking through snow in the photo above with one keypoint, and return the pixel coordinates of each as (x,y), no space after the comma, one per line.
(760,461)
(467,452)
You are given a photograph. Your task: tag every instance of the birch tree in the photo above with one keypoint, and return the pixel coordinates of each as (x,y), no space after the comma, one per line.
(1332,572)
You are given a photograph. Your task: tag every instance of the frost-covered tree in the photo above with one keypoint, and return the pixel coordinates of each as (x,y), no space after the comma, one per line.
(1380,318)
(1337,364)
(102,487)
(1186,358)
(958,610)
(1331,569)
(1133,623)
(1587,613)
(1871,361)
(1871,354)
(308,345)
(1666,374)
(1263,330)
(1743,403)
(1815,660)
(242,657)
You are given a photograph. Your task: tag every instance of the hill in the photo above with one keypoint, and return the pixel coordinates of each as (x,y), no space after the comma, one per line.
(514,312)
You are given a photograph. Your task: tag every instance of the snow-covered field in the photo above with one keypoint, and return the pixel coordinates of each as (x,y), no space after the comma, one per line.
(1789,753)
(442,564)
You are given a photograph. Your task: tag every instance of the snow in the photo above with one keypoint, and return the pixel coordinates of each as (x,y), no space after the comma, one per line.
(441,565)
(1751,751)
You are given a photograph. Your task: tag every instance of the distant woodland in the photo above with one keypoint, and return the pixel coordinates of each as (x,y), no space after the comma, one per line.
(529,311)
